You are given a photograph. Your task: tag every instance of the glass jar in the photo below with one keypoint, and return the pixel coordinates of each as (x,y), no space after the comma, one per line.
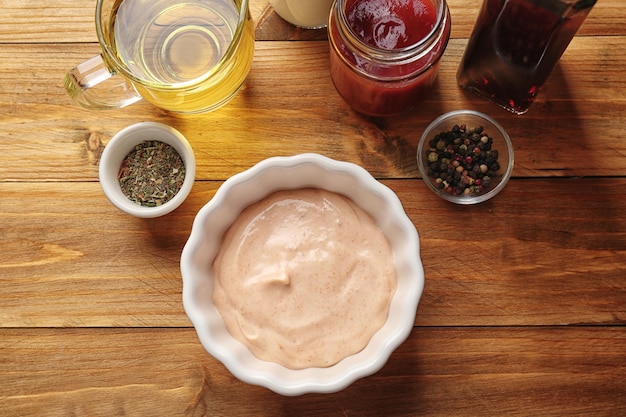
(305,14)
(515,45)
(384,57)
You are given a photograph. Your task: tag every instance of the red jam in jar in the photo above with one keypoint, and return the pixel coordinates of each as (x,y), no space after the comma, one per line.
(385,55)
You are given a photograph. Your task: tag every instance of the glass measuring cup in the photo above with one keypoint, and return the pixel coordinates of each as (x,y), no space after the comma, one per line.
(185,56)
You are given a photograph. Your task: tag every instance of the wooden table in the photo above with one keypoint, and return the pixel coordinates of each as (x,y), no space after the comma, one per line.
(524,309)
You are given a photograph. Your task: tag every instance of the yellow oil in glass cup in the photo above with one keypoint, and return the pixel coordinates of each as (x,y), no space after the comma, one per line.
(185,56)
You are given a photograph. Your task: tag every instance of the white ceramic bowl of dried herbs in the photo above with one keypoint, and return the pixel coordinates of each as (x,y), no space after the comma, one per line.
(147,169)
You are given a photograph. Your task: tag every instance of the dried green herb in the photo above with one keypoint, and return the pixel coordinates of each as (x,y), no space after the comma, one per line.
(152,173)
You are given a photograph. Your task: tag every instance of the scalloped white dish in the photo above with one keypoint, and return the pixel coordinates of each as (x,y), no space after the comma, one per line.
(295,172)
(121,144)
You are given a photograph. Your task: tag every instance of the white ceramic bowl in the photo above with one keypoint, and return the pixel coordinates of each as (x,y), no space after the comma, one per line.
(122,144)
(300,171)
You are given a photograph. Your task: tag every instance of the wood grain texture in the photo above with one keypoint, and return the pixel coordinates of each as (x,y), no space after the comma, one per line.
(524,307)
(289,105)
(72,21)
(436,372)
(505,262)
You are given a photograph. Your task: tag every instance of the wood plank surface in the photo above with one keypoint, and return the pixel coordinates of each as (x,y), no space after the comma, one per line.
(504,262)
(524,308)
(300,113)
(72,21)
(556,372)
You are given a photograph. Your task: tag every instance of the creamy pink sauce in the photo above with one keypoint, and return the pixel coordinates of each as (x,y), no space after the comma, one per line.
(304,278)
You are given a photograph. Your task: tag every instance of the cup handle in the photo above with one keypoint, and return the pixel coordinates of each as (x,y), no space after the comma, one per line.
(92,85)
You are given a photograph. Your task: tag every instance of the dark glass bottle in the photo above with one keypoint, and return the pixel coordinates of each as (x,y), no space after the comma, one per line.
(515,45)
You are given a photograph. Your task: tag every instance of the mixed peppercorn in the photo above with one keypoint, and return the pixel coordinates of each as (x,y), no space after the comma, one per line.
(461,161)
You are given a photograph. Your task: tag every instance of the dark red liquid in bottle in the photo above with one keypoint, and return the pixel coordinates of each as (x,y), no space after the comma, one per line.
(515,45)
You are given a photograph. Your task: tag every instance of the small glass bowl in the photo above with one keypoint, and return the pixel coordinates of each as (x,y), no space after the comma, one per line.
(122,144)
(471,119)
